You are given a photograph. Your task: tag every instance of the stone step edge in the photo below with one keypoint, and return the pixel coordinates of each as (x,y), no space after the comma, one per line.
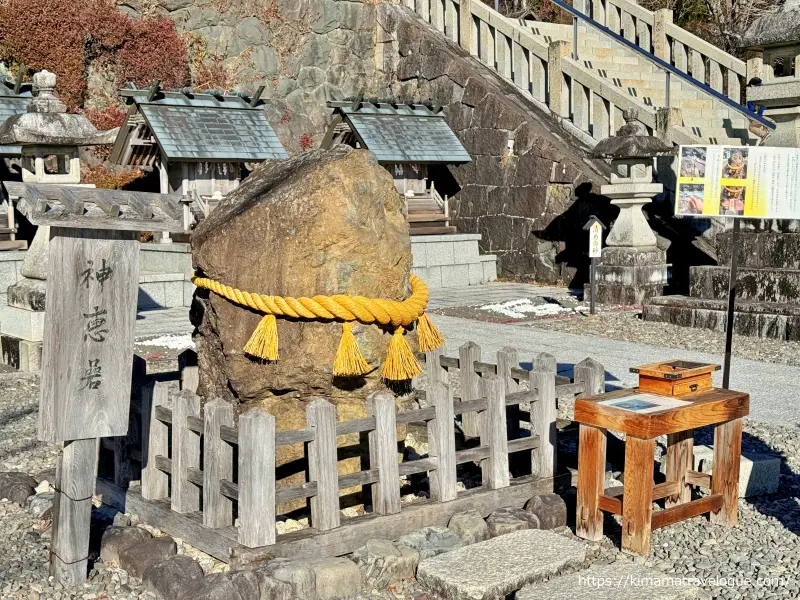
(721,305)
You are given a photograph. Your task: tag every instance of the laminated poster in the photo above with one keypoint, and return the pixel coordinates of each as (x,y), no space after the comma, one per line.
(738,181)
(645,403)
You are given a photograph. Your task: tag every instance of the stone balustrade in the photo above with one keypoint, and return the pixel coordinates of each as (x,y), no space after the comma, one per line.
(589,106)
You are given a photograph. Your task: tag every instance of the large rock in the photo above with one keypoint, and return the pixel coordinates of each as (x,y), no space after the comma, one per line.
(239,585)
(506,520)
(550,509)
(431,541)
(496,568)
(383,562)
(117,539)
(40,506)
(16,487)
(136,559)
(169,578)
(319,223)
(469,526)
(320,579)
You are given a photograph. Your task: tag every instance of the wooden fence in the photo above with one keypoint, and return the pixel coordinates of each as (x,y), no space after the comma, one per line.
(199,469)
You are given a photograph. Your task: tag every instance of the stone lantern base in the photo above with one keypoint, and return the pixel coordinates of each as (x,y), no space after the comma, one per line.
(630,275)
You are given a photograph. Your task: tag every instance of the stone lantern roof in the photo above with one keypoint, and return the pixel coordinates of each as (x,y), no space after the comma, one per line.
(631,141)
(46,122)
(776,28)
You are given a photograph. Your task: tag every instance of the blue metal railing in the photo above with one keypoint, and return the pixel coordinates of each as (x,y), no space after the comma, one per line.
(661,64)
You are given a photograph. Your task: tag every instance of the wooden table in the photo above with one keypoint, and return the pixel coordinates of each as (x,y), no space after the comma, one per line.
(722,408)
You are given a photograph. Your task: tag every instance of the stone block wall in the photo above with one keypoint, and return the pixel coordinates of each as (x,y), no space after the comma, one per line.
(519,192)
(528,201)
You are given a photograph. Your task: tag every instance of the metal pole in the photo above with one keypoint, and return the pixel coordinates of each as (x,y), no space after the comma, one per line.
(667,90)
(593,285)
(726,369)
(575,38)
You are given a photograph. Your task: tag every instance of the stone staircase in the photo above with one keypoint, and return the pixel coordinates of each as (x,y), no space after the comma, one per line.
(587,94)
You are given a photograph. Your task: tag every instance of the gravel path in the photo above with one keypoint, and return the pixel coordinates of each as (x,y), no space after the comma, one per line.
(628,326)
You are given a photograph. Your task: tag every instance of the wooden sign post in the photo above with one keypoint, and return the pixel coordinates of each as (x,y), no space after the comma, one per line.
(87,356)
(595,228)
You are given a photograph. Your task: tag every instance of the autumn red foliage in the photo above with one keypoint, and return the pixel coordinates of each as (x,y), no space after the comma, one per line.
(306,141)
(103,177)
(66,37)
(106,118)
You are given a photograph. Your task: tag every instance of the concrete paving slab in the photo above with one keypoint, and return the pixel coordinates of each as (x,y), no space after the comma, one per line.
(617,581)
(495,568)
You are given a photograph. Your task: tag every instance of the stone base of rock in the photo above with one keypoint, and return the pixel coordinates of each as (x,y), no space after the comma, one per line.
(23,355)
(495,568)
(620,581)
(445,261)
(630,276)
(759,474)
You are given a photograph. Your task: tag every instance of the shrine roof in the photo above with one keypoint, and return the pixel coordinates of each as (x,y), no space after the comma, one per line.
(403,133)
(207,126)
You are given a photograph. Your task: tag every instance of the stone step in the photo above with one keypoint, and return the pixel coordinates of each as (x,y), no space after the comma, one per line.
(759,285)
(754,319)
(619,580)
(499,566)
(761,249)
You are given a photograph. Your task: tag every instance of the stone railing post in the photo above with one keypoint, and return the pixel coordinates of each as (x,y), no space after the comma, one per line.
(581,5)
(755,65)
(465,25)
(666,121)
(558,92)
(661,19)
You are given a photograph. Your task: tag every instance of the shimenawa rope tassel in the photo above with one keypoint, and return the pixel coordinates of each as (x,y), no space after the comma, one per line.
(349,362)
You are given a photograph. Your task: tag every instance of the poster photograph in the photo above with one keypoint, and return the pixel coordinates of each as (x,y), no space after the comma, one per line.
(736,181)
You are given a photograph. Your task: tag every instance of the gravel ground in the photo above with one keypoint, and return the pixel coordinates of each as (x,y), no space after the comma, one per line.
(765,544)
(628,326)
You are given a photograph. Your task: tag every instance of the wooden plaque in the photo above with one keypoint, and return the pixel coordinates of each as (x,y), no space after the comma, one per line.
(92,287)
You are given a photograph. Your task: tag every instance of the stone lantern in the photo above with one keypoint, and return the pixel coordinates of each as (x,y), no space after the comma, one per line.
(50,139)
(632,267)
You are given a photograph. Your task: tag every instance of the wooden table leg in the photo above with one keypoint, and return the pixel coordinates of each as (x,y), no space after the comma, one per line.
(637,499)
(680,448)
(725,471)
(591,481)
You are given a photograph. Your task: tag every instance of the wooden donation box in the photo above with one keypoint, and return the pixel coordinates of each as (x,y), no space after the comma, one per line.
(672,399)
(87,355)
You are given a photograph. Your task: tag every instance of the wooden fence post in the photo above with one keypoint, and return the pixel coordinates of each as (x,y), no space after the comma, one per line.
(217,464)
(185,496)
(383,453)
(190,374)
(322,464)
(468,354)
(495,436)
(593,374)
(155,441)
(442,443)
(543,414)
(256,478)
(433,368)
(507,359)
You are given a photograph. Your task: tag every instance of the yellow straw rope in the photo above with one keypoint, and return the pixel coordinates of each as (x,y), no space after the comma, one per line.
(400,313)
(400,361)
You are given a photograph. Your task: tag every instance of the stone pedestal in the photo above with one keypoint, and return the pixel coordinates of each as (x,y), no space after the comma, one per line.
(22,318)
(630,275)
(787,127)
(631,268)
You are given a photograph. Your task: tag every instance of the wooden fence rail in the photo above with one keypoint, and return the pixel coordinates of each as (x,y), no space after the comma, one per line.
(186,454)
